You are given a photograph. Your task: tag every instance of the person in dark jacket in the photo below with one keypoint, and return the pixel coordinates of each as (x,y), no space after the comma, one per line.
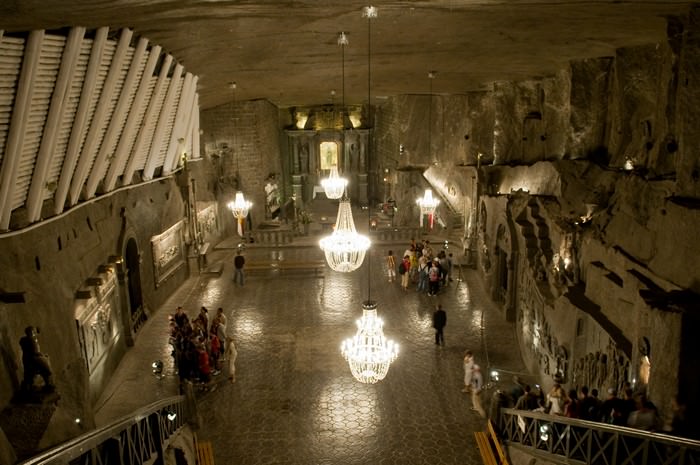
(238,264)
(439,323)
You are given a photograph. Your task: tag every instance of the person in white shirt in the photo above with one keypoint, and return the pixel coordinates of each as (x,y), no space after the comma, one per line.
(468,365)
(477,386)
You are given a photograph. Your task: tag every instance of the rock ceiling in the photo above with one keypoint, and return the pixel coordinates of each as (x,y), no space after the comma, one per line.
(287,51)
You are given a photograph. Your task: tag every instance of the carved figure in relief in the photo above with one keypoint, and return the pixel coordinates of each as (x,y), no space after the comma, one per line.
(304,157)
(272,197)
(602,369)
(34,361)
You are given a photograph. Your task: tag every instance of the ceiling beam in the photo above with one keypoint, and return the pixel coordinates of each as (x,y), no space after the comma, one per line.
(115,124)
(159,134)
(18,125)
(100,119)
(57,108)
(184,109)
(151,113)
(195,128)
(81,113)
(121,154)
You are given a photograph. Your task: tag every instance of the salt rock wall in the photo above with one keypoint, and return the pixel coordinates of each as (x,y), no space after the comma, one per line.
(242,140)
(57,260)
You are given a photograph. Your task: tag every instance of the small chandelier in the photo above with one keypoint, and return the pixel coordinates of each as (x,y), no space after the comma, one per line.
(427,205)
(345,248)
(334,185)
(369,353)
(240,206)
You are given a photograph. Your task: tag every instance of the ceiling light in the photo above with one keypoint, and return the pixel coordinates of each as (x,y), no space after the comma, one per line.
(369,353)
(345,248)
(240,206)
(334,185)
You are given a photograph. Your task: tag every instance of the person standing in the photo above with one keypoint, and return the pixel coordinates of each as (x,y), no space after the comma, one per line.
(439,323)
(391,266)
(477,386)
(468,366)
(238,264)
(423,267)
(404,269)
(231,354)
(434,278)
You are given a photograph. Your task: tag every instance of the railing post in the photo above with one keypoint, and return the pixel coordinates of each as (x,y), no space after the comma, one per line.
(155,427)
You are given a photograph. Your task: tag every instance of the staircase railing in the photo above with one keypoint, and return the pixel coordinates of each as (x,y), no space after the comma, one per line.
(138,438)
(572,441)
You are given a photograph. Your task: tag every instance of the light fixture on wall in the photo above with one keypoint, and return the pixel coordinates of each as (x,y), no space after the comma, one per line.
(369,354)
(239,206)
(334,185)
(428,204)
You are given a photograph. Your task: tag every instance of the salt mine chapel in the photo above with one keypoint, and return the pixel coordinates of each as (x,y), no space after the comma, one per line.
(298,232)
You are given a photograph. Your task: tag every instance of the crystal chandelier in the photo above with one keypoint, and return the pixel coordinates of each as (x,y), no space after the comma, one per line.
(369,353)
(240,206)
(334,185)
(345,248)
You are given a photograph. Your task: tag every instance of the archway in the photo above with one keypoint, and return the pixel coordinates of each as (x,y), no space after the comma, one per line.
(133,270)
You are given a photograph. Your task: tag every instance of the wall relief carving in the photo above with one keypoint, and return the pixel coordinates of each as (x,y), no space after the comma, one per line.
(543,347)
(207,220)
(96,313)
(609,368)
(168,252)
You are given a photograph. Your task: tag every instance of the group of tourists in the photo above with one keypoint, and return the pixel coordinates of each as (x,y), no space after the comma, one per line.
(633,409)
(421,267)
(200,349)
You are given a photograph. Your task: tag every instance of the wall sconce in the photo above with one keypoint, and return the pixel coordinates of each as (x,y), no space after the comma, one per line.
(157,367)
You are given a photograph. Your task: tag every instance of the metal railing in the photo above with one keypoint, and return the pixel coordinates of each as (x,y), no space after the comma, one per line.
(132,440)
(574,441)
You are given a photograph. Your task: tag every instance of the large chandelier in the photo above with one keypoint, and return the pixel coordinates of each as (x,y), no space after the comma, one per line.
(334,185)
(369,353)
(345,248)
(240,206)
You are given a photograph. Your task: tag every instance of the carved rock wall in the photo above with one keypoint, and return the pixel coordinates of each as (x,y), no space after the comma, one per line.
(52,262)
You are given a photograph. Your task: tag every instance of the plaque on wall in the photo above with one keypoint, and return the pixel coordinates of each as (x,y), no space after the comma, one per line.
(168,253)
(207,220)
(96,314)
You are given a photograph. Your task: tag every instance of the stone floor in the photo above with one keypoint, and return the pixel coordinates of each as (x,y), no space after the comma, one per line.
(295,401)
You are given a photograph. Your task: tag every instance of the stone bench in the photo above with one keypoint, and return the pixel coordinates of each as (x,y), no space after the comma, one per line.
(317,266)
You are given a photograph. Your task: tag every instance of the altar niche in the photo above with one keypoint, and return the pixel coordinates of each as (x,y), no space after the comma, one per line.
(313,153)
(329,155)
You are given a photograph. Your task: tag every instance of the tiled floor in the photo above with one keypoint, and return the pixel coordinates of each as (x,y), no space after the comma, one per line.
(295,401)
